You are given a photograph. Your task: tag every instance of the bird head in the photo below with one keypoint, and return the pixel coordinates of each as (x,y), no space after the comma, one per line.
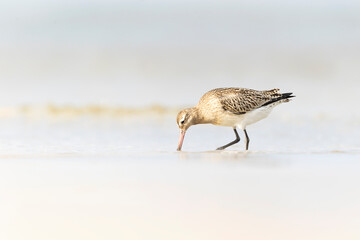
(184,120)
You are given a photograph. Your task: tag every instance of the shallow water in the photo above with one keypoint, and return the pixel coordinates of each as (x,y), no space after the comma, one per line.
(78,160)
(104,178)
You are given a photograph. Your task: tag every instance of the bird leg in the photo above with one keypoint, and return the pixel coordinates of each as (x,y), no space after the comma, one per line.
(247,140)
(231,143)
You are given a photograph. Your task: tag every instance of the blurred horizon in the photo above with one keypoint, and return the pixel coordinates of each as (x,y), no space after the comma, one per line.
(141,53)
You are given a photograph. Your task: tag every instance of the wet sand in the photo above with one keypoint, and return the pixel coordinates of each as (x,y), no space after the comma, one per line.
(105,179)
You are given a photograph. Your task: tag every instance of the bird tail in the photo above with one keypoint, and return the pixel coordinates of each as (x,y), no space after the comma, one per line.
(284,97)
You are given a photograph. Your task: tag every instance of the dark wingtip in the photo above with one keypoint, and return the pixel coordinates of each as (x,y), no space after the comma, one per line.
(286,95)
(283,96)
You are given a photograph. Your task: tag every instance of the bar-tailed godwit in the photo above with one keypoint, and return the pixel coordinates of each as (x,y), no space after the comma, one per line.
(231,107)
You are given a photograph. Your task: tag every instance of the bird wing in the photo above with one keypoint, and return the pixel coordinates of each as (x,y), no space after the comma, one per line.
(240,100)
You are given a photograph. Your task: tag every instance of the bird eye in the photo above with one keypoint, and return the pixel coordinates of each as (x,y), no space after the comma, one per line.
(182,122)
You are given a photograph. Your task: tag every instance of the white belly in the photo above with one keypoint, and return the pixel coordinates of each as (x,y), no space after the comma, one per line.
(241,121)
(255,116)
(230,119)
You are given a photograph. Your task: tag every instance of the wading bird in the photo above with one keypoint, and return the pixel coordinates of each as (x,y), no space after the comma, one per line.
(230,107)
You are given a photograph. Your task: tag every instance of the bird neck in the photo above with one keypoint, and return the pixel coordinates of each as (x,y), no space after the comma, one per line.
(197,116)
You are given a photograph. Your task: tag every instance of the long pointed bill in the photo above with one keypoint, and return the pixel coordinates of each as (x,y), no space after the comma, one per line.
(181,140)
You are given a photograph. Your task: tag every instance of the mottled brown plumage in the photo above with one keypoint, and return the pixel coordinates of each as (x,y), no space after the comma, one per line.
(233,107)
(240,100)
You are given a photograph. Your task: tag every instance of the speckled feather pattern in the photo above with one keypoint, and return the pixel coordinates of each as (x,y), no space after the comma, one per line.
(231,107)
(240,100)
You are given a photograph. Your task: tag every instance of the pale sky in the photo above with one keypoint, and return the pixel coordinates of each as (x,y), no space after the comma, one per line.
(87,51)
